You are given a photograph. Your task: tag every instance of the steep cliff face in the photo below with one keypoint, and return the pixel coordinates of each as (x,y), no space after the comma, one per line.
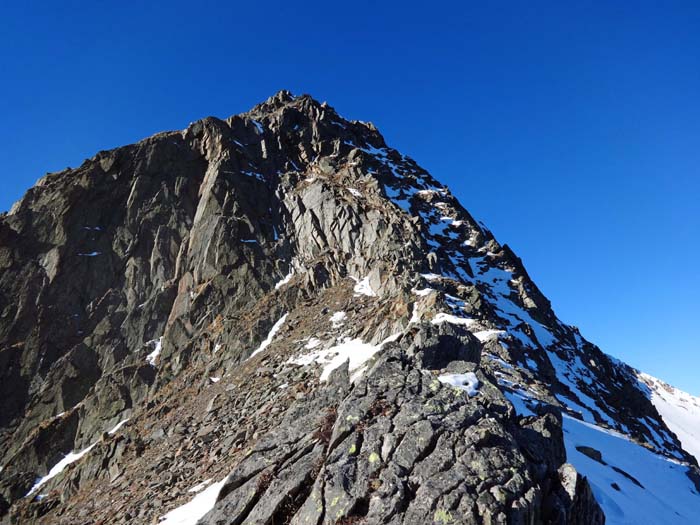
(284,320)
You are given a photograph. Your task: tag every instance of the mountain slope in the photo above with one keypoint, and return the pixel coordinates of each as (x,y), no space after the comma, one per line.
(679,410)
(282,314)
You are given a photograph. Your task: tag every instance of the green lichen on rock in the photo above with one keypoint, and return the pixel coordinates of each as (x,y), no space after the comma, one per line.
(442,516)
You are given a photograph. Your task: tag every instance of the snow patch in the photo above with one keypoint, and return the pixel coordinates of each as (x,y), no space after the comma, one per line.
(68,459)
(275,328)
(500,361)
(191,512)
(415,316)
(284,280)
(118,426)
(153,356)
(200,486)
(338,318)
(486,335)
(362,287)
(467,382)
(71,457)
(355,351)
(443,317)
(313,343)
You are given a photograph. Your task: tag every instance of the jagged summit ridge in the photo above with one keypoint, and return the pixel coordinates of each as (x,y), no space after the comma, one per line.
(282,304)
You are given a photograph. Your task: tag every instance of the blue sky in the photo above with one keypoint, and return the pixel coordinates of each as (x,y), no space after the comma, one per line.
(572,131)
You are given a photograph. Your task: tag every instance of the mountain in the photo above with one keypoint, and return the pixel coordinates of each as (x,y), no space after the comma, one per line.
(679,410)
(278,319)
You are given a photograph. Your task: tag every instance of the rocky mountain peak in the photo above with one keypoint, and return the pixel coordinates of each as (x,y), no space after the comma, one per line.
(283,314)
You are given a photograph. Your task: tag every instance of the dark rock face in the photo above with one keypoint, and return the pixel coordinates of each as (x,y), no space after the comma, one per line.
(400,447)
(185,306)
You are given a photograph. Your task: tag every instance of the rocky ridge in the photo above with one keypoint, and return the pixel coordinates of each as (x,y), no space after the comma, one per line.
(279,311)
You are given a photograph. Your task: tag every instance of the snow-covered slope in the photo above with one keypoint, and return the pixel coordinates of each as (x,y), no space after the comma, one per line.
(679,410)
(633,485)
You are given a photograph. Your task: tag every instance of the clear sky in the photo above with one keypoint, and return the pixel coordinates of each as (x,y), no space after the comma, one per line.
(572,131)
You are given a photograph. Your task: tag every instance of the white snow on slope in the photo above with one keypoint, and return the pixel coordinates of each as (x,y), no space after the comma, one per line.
(312,343)
(357,352)
(118,426)
(284,280)
(486,335)
(200,486)
(363,288)
(151,358)
(69,458)
(415,315)
(443,317)
(338,318)
(275,328)
(354,350)
(667,496)
(500,296)
(191,512)
(679,410)
(520,402)
(467,382)
(567,373)
(59,467)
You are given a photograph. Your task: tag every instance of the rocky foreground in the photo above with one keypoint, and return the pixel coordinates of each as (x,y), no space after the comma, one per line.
(278,319)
